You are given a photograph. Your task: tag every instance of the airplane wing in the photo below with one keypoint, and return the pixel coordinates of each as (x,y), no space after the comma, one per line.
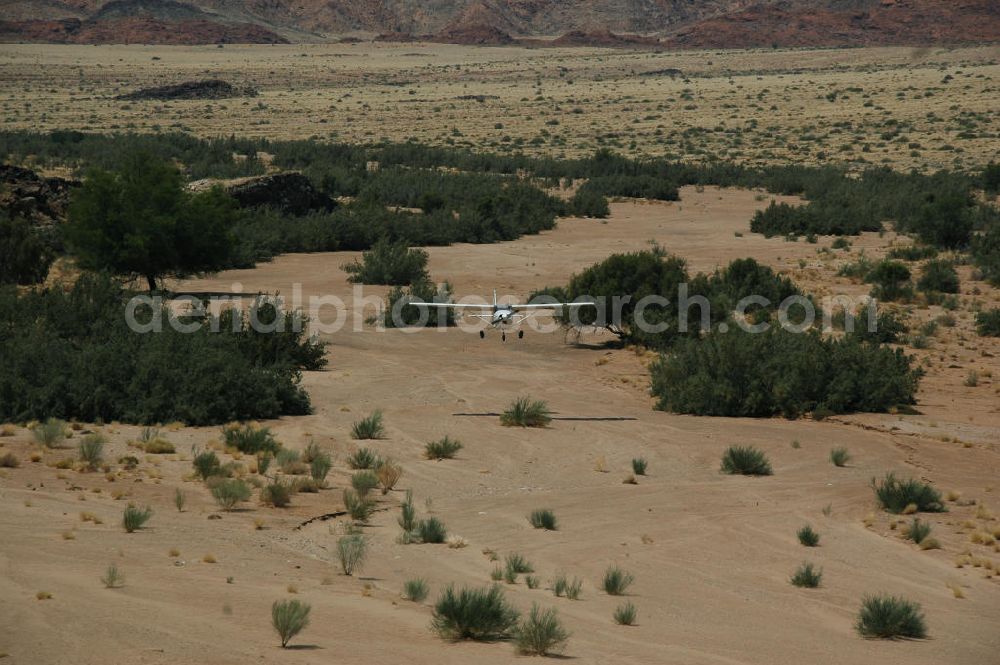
(450,304)
(555,305)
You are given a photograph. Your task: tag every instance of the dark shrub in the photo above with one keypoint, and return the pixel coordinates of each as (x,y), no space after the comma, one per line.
(589,203)
(392,263)
(807,576)
(896,495)
(988,322)
(27,252)
(445,448)
(940,276)
(746,461)
(891,280)
(543,519)
(250,439)
(206,464)
(525,412)
(540,633)
(808,537)
(889,617)
(474,614)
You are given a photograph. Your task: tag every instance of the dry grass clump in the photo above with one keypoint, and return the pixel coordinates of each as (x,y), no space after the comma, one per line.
(7,430)
(112,577)
(209,558)
(158,446)
(51,433)
(9,461)
(276,493)
(388,474)
(43,595)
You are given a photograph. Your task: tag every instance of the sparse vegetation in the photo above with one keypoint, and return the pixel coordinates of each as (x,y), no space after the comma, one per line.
(289,618)
(363,458)
(889,617)
(988,322)
(807,576)
(358,507)
(388,474)
(250,439)
(639,466)
(9,461)
(616,581)
(625,614)
(540,633)
(276,493)
(897,495)
(229,492)
(745,460)
(391,263)
(112,577)
(369,428)
(415,590)
(917,531)
(363,482)
(351,551)
(431,531)
(839,456)
(134,518)
(808,537)
(571,588)
(319,466)
(206,464)
(474,614)
(525,412)
(445,448)
(50,433)
(543,519)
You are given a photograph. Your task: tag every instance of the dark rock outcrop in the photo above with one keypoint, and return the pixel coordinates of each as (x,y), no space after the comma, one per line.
(208,89)
(26,194)
(290,192)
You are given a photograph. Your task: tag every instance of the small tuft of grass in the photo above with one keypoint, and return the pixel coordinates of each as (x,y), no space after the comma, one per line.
(543,519)
(917,531)
(639,466)
(745,460)
(889,617)
(43,595)
(415,590)
(209,558)
(230,492)
(9,461)
(807,576)
(179,500)
(364,482)
(250,439)
(532,581)
(840,456)
(518,563)
(541,633)
(525,412)
(897,496)
(206,464)
(358,507)
(91,450)
(371,427)
(112,578)
(276,493)
(431,531)
(808,537)
(571,588)
(289,618)
(51,433)
(625,614)
(134,518)
(445,448)
(474,614)
(616,581)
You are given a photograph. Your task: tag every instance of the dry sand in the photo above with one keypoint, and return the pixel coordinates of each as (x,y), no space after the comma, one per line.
(711,554)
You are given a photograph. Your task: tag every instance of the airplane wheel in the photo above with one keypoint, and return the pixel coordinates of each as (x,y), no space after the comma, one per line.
(520,334)
(482,334)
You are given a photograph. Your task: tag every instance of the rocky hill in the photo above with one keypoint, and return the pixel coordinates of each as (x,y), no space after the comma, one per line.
(629,23)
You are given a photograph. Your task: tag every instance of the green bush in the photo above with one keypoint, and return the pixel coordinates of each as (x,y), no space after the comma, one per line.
(896,495)
(250,439)
(134,517)
(988,322)
(917,531)
(625,614)
(276,493)
(939,276)
(399,313)
(319,466)
(364,458)
(840,456)
(743,374)
(525,412)
(431,531)
(745,460)
(807,576)
(445,448)
(540,633)
(289,618)
(891,280)
(206,464)
(27,251)
(408,515)
(639,466)
(808,537)
(543,519)
(912,253)
(517,563)
(474,614)
(391,263)
(369,428)
(358,507)
(589,203)
(616,581)
(229,492)
(364,482)
(71,354)
(91,450)
(112,578)
(571,588)
(889,617)
(415,590)
(351,551)
(50,433)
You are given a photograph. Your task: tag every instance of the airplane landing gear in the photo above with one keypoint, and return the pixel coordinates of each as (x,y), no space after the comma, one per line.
(520,334)
(482,334)
(503,337)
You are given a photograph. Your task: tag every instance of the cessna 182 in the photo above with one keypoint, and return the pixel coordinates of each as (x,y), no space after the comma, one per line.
(502,316)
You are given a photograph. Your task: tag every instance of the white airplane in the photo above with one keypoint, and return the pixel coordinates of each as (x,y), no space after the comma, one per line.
(500,315)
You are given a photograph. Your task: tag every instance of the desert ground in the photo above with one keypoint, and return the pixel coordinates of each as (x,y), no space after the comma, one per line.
(711,554)
(927,108)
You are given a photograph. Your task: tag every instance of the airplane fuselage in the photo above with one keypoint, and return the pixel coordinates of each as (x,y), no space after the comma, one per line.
(501,316)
